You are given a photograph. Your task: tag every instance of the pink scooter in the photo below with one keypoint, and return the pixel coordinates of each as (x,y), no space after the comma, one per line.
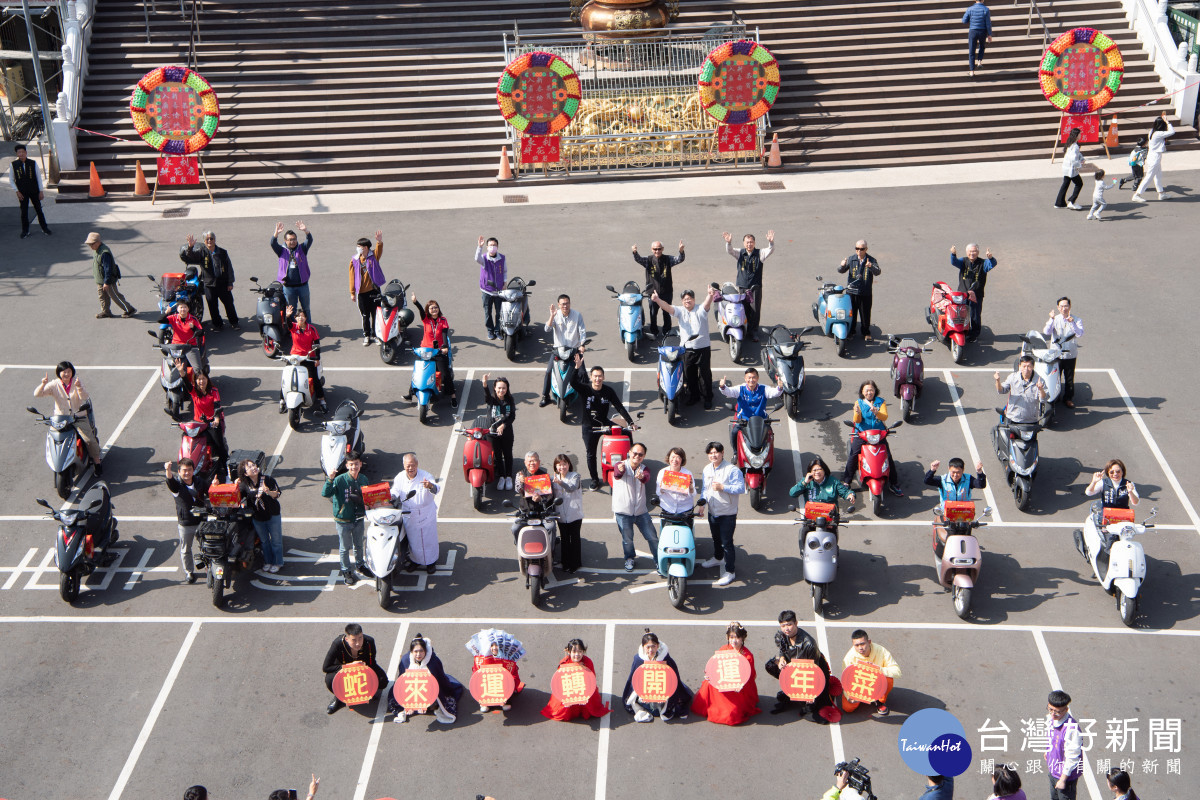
(959,563)
(908,371)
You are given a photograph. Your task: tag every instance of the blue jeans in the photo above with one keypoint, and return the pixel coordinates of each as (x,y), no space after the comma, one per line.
(350,534)
(270,533)
(491,311)
(722,535)
(626,523)
(298,295)
(976,43)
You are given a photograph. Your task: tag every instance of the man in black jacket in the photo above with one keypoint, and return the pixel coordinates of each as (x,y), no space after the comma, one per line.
(26,181)
(216,271)
(596,404)
(190,492)
(749,275)
(351,646)
(862,270)
(658,278)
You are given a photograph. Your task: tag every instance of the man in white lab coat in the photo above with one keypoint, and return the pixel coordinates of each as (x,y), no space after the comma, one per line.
(420,524)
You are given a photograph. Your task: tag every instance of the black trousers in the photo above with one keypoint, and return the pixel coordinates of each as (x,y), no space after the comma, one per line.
(221,292)
(860,310)
(502,446)
(697,374)
(26,199)
(1068,377)
(753,309)
(367,303)
(590,442)
(1061,200)
(665,296)
(572,547)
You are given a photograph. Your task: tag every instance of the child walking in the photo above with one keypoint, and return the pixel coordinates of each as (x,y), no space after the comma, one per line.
(1098,203)
(1137,159)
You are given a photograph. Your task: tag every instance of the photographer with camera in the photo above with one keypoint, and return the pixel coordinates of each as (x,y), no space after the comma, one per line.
(851,781)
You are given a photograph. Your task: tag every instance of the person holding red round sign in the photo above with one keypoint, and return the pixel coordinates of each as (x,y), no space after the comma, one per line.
(492,646)
(575,654)
(864,650)
(649,694)
(420,656)
(729,707)
(352,646)
(795,644)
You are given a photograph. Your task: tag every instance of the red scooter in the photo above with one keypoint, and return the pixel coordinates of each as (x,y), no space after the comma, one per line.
(195,444)
(873,462)
(614,446)
(949,313)
(479,466)
(754,455)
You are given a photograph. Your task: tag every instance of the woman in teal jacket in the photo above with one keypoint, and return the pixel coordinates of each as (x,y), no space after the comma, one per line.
(819,486)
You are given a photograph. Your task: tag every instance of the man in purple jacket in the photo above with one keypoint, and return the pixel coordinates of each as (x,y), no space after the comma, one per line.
(293,265)
(492,274)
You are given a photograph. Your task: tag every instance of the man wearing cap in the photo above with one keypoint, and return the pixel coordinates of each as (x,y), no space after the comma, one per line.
(107,273)
(26,181)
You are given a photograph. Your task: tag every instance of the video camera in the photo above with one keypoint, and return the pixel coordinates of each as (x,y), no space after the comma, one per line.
(858,778)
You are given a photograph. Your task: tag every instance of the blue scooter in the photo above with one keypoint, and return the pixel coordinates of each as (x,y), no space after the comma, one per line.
(670,374)
(677,553)
(428,383)
(630,316)
(562,379)
(173,287)
(832,312)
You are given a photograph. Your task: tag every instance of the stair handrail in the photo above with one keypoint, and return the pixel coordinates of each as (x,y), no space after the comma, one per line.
(1033,9)
(1170,60)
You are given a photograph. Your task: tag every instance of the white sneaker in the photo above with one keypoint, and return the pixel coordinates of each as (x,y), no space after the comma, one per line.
(1137,198)
(508,484)
(442,716)
(711,562)
(642,716)
(725,579)
(1089,216)
(366,341)
(401,717)
(1097,218)
(1074,206)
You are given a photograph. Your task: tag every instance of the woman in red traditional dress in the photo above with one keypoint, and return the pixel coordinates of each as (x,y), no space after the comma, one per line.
(730,708)
(575,653)
(495,641)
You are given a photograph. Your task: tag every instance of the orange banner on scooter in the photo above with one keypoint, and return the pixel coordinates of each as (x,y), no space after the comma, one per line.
(863,682)
(536,485)
(655,682)
(355,684)
(572,684)
(492,685)
(677,481)
(416,690)
(727,671)
(802,680)
(376,495)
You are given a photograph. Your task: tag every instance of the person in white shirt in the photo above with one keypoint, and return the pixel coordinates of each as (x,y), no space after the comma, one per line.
(1061,323)
(697,347)
(1098,203)
(568,330)
(723,483)
(420,524)
(1159,131)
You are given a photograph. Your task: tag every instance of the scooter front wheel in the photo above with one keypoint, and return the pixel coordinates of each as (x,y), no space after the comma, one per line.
(962,601)
(793,405)
(423,413)
(388,353)
(535,589)
(818,597)
(218,589)
(755,493)
(510,346)
(841,346)
(1127,607)
(906,407)
(677,590)
(631,351)
(735,348)
(477,497)
(68,585)
(673,412)
(877,505)
(563,411)
(294,418)
(1020,495)
(270,347)
(63,481)
(956,351)
(383,589)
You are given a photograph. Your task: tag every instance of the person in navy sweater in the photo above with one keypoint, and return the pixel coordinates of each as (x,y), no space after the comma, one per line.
(978,20)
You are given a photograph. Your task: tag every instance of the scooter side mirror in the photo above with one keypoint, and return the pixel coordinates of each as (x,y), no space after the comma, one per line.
(987,510)
(531,283)
(152,333)
(848,423)
(32,410)
(558,501)
(653,502)
(507,504)
(411,495)
(151,278)
(253,279)
(819,279)
(897,425)
(803,331)
(639,415)
(611,289)
(42,503)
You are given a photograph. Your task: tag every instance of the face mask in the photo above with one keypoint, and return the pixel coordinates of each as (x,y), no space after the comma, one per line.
(492,250)
(362,253)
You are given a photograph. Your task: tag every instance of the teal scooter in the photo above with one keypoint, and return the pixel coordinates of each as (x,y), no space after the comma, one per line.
(676,552)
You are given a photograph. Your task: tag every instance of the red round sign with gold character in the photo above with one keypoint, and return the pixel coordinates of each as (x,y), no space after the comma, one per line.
(655,682)
(492,685)
(727,670)
(355,684)
(863,682)
(416,690)
(572,684)
(802,680)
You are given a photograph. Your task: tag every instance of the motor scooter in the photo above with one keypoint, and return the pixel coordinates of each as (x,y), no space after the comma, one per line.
(85,535)
(819,547)
(631,317)
(195,444)
(66,453)
(949,313)
(478,462)
(873,467)
(343,435)
(670,375)
(614,446)
(676,557)
(1046,365)
(755,455)
(961,558)
(176,392)
(196,357)
(562,379)
(381,546)
(271,316)
(296,387)
(392,318)
(1121,568)
(832,313)
(535,545)
(785,365)
(730,313)
(428,383)
(1016,447)
(908,372)
(228,542)
(514,313)
(173,287)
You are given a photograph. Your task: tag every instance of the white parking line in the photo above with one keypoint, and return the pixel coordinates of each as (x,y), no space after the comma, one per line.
(16,573)
(155,710)
(606,720)
(364,775)
(835,728)
(444,475)
(1088,777)
(129,414)
(966,429)
(824,370)
(625,387)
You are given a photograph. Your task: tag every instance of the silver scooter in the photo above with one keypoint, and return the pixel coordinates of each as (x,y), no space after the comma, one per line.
(819,547)
(66,453)
(514,313)
(343,435)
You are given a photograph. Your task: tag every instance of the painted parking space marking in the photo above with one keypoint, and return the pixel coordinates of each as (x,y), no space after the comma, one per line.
(966,431)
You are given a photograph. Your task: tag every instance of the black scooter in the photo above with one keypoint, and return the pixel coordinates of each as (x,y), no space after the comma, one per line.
(785,364)
(1016,447)
(271,318)
(84,537)
(228,542)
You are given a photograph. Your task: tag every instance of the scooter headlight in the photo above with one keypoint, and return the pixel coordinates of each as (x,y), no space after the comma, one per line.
(840,314)
(757,461)
(873,438)
(1026,435)
(59,423)
(675,551)
(269,319)
(337,428)
(962,562)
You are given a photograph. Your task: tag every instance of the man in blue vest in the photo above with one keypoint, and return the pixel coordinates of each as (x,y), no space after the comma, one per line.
(293,265)
(954,485)
(751,399)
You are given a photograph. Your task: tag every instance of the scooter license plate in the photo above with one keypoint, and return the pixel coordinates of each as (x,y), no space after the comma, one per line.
(218,571)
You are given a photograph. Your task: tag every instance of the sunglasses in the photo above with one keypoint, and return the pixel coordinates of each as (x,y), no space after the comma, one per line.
(860,248)
(656,249)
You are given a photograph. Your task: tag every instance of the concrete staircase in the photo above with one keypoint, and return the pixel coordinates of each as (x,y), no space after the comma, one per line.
(354,96)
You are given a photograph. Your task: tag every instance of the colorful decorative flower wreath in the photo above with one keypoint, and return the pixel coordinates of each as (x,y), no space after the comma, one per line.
(739,82)
(538,94)
(1081,71)
(175,110)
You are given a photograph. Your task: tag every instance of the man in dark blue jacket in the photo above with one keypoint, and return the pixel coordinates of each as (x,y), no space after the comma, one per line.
(978,20)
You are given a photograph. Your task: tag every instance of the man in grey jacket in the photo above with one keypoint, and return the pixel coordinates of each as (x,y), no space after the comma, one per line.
(629,503)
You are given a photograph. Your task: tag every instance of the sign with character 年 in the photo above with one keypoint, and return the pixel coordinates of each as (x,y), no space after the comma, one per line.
(802,680)
(355,683)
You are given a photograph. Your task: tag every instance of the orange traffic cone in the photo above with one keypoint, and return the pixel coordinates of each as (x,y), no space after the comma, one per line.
(773,160)
(139,182)
(505,173)
(1111,139)
(94,187)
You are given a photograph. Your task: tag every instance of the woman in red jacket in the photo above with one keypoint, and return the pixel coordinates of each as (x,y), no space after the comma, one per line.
(305,342)
(575,653)
(206,407)
(730,708)
(186,329)
(437,329)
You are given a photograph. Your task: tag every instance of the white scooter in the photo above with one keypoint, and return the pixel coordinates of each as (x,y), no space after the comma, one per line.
(731,316)
(381,543)
(1122,567)
(343,435)
(1046,366)
(295,387)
